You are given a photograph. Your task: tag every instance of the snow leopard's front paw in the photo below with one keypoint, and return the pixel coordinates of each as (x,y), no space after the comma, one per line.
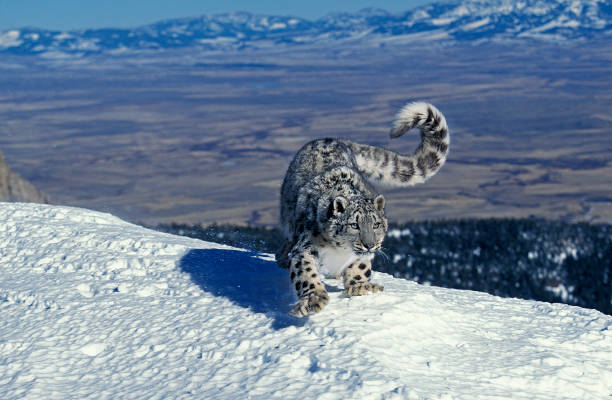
(359,289)
(310,303)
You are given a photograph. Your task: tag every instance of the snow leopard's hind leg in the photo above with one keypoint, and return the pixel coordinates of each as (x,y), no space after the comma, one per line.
(305,277)
(357,279)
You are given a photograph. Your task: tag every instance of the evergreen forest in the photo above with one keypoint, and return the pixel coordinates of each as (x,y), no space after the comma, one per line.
(528,258)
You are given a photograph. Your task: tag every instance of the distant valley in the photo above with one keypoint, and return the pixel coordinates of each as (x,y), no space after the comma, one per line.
(207,137)
(204,135)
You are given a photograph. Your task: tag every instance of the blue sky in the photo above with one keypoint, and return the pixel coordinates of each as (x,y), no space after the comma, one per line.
(75,14)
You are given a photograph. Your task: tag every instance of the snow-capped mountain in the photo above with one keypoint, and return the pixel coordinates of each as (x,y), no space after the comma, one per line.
(94,307)
(469,20)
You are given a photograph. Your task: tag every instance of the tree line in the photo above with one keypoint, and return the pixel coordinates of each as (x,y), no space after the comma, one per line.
(527,258)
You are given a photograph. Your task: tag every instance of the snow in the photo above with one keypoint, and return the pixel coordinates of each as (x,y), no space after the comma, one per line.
(10,39)
(63,36)
(95,307)
(561,291)
(397,233)
(476,24)
(442,21)
(91,45)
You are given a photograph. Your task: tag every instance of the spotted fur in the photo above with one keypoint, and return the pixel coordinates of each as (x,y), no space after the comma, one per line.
(332,217)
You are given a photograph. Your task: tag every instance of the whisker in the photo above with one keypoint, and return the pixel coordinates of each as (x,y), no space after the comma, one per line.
(383,254)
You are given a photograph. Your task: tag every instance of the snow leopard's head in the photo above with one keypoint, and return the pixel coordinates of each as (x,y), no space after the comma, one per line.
(358,223)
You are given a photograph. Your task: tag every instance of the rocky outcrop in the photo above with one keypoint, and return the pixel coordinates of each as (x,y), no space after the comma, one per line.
(14,188)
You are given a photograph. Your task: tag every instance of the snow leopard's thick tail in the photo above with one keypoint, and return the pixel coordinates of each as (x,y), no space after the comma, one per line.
(388,167)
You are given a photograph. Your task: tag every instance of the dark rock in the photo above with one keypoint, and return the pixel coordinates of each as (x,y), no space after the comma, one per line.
(14,188)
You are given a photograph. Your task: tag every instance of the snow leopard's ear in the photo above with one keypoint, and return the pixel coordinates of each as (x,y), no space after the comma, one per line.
(337,206)
(379,202)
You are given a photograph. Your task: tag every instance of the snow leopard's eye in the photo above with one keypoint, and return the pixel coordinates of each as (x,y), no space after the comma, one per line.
(354,225)
(376,225)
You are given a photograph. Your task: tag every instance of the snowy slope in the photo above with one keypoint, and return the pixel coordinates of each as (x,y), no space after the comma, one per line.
(451,21)
(94,307)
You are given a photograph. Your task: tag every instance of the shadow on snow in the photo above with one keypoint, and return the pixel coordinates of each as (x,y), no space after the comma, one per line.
(245,279)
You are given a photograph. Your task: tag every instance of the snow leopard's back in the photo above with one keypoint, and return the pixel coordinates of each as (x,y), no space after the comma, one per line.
(304,188)
(305,185)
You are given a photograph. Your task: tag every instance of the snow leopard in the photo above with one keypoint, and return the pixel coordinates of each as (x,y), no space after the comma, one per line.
(333,219)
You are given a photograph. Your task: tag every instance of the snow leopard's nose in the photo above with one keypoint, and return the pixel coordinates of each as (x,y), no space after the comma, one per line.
(368,239)
(368,245)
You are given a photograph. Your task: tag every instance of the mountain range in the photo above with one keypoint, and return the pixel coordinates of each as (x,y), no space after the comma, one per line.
(455,21)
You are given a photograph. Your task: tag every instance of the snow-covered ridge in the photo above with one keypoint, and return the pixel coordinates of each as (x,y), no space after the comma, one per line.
(94,307)
(468,20)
